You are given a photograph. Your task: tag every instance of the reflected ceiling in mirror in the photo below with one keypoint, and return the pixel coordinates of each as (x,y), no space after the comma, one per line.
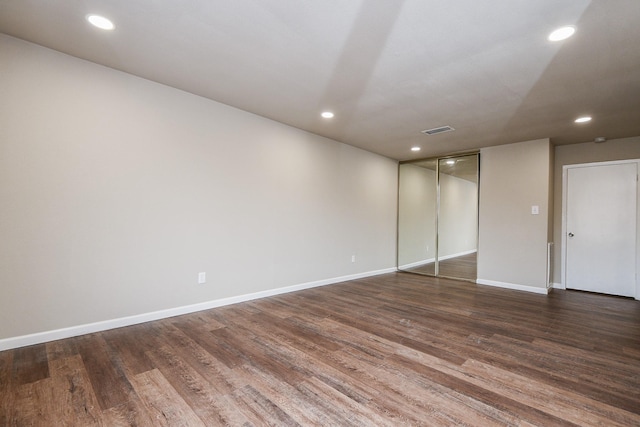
(464,167)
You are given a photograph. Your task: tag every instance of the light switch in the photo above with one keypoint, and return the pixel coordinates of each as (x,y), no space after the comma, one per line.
(535,210)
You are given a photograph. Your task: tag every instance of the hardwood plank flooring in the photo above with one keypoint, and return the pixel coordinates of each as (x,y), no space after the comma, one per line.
(391,350)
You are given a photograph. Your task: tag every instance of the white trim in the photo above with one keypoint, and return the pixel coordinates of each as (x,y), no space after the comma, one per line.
(533,289)
(558,286)
(74,331)
(549,263)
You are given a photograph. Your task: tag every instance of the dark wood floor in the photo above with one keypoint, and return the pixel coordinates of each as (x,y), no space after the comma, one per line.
(462,267)
(397,349)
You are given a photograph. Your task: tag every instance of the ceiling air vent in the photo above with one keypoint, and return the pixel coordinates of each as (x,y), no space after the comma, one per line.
(441,129)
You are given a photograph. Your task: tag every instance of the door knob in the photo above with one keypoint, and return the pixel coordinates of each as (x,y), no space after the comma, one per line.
(570,234)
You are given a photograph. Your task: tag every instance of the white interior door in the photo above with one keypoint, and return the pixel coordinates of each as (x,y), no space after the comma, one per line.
(601,228)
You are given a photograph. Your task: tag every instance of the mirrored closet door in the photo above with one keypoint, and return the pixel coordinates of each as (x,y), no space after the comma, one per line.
(438,216)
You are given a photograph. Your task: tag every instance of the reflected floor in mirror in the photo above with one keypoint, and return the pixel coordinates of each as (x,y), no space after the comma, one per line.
(462,267)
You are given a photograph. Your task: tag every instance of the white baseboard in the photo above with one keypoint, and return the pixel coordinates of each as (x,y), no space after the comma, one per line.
(558,286)
(513,286)
(74,331)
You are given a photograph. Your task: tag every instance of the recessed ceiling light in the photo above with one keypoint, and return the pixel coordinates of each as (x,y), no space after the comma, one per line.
(100,22)
(415,148)
(561,33)
(584,119)
(327,114)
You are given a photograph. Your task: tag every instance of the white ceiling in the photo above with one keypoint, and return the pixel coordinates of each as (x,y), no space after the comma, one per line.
(387,68)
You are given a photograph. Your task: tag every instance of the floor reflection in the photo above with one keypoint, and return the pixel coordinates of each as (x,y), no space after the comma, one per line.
(462,267)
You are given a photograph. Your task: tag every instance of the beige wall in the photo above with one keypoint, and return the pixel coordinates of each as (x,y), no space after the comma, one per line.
(588,152)
(116,191)
(512,247)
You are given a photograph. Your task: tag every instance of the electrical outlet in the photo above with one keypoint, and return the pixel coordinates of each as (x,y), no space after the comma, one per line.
(353,258)
(202,278)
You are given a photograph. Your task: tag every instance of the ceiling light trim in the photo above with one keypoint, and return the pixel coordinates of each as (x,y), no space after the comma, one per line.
(101,22)
(562,33)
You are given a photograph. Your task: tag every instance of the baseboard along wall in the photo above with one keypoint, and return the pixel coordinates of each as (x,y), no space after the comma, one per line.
(514,286)
(74,331)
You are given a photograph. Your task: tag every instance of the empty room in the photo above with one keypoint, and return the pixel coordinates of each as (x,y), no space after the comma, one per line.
(331,213)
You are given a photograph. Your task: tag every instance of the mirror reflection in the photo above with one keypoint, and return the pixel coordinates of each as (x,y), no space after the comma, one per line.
(438,217)
(417,209)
